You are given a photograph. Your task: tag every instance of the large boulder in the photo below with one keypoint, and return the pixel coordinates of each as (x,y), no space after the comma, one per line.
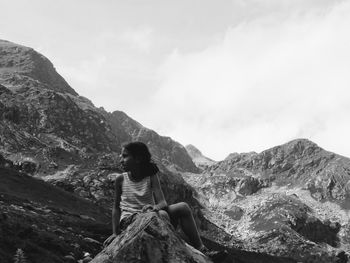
(149,239)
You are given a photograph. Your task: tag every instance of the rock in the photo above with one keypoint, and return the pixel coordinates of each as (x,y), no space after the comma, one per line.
(149,239)
(235,212)
(69,259)
(5,163)
(87,259)
(53,165)
(91,241)
(250,185)
(87,218)
(28,166)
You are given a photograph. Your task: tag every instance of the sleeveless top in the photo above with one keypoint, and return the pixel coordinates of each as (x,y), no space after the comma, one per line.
(135,195)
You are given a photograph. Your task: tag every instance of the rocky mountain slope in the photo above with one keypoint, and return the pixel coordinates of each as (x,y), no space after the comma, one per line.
(291,200)
(45,120)
(299,163)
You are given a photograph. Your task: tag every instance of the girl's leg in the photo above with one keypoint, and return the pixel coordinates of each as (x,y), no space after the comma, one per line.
(182,213)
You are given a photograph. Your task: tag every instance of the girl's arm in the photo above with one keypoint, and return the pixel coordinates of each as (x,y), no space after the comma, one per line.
(158,193)
(116,213)
(115,209)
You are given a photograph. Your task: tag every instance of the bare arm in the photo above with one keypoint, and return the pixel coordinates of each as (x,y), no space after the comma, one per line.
(116,212)
(158,193)
(115,209)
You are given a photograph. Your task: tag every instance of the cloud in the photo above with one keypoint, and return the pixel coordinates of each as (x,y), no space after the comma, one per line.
(271,79)
(139,38)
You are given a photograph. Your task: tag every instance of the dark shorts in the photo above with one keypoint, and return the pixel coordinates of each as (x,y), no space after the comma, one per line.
(126,221)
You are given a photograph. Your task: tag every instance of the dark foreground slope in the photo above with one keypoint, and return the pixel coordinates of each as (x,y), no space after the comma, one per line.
(46,222)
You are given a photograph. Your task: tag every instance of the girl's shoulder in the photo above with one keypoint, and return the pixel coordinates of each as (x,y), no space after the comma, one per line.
(116,177)
(154,177)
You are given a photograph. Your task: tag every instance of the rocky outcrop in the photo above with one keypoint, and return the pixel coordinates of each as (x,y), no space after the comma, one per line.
(286,226)
(219,190)
(149,239)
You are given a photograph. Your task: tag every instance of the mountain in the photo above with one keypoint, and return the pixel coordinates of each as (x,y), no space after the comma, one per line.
(299,163)
(198,158)
(291,200)
(45,120)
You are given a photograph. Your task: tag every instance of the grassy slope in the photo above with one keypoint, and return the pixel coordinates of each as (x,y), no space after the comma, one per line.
(45,221)
(25,187)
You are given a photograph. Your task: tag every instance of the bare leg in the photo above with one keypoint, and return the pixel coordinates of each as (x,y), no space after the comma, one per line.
(182,213)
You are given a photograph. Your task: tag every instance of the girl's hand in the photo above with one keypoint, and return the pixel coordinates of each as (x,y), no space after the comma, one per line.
(150,208)
(147,208)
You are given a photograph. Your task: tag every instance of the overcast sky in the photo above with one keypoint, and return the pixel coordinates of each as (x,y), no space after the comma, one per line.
(225,76)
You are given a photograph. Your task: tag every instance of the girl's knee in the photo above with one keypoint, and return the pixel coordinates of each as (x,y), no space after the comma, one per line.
(164,214)
(185,208)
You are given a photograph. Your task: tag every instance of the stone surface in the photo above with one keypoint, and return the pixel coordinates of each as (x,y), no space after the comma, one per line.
(149,239)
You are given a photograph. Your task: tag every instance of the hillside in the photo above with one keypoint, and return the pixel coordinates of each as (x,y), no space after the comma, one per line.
(46,222)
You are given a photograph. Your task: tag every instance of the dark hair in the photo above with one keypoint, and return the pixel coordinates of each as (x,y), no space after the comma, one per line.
(140,151)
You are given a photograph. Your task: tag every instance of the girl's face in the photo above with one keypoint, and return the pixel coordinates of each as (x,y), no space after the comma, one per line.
(128,161)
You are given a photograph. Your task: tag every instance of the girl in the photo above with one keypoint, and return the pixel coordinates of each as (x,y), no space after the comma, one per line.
(138,190)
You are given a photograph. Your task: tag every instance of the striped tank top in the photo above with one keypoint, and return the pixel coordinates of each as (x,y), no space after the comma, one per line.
(135,195)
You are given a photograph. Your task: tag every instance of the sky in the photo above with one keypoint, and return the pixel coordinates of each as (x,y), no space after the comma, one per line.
(226,76)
